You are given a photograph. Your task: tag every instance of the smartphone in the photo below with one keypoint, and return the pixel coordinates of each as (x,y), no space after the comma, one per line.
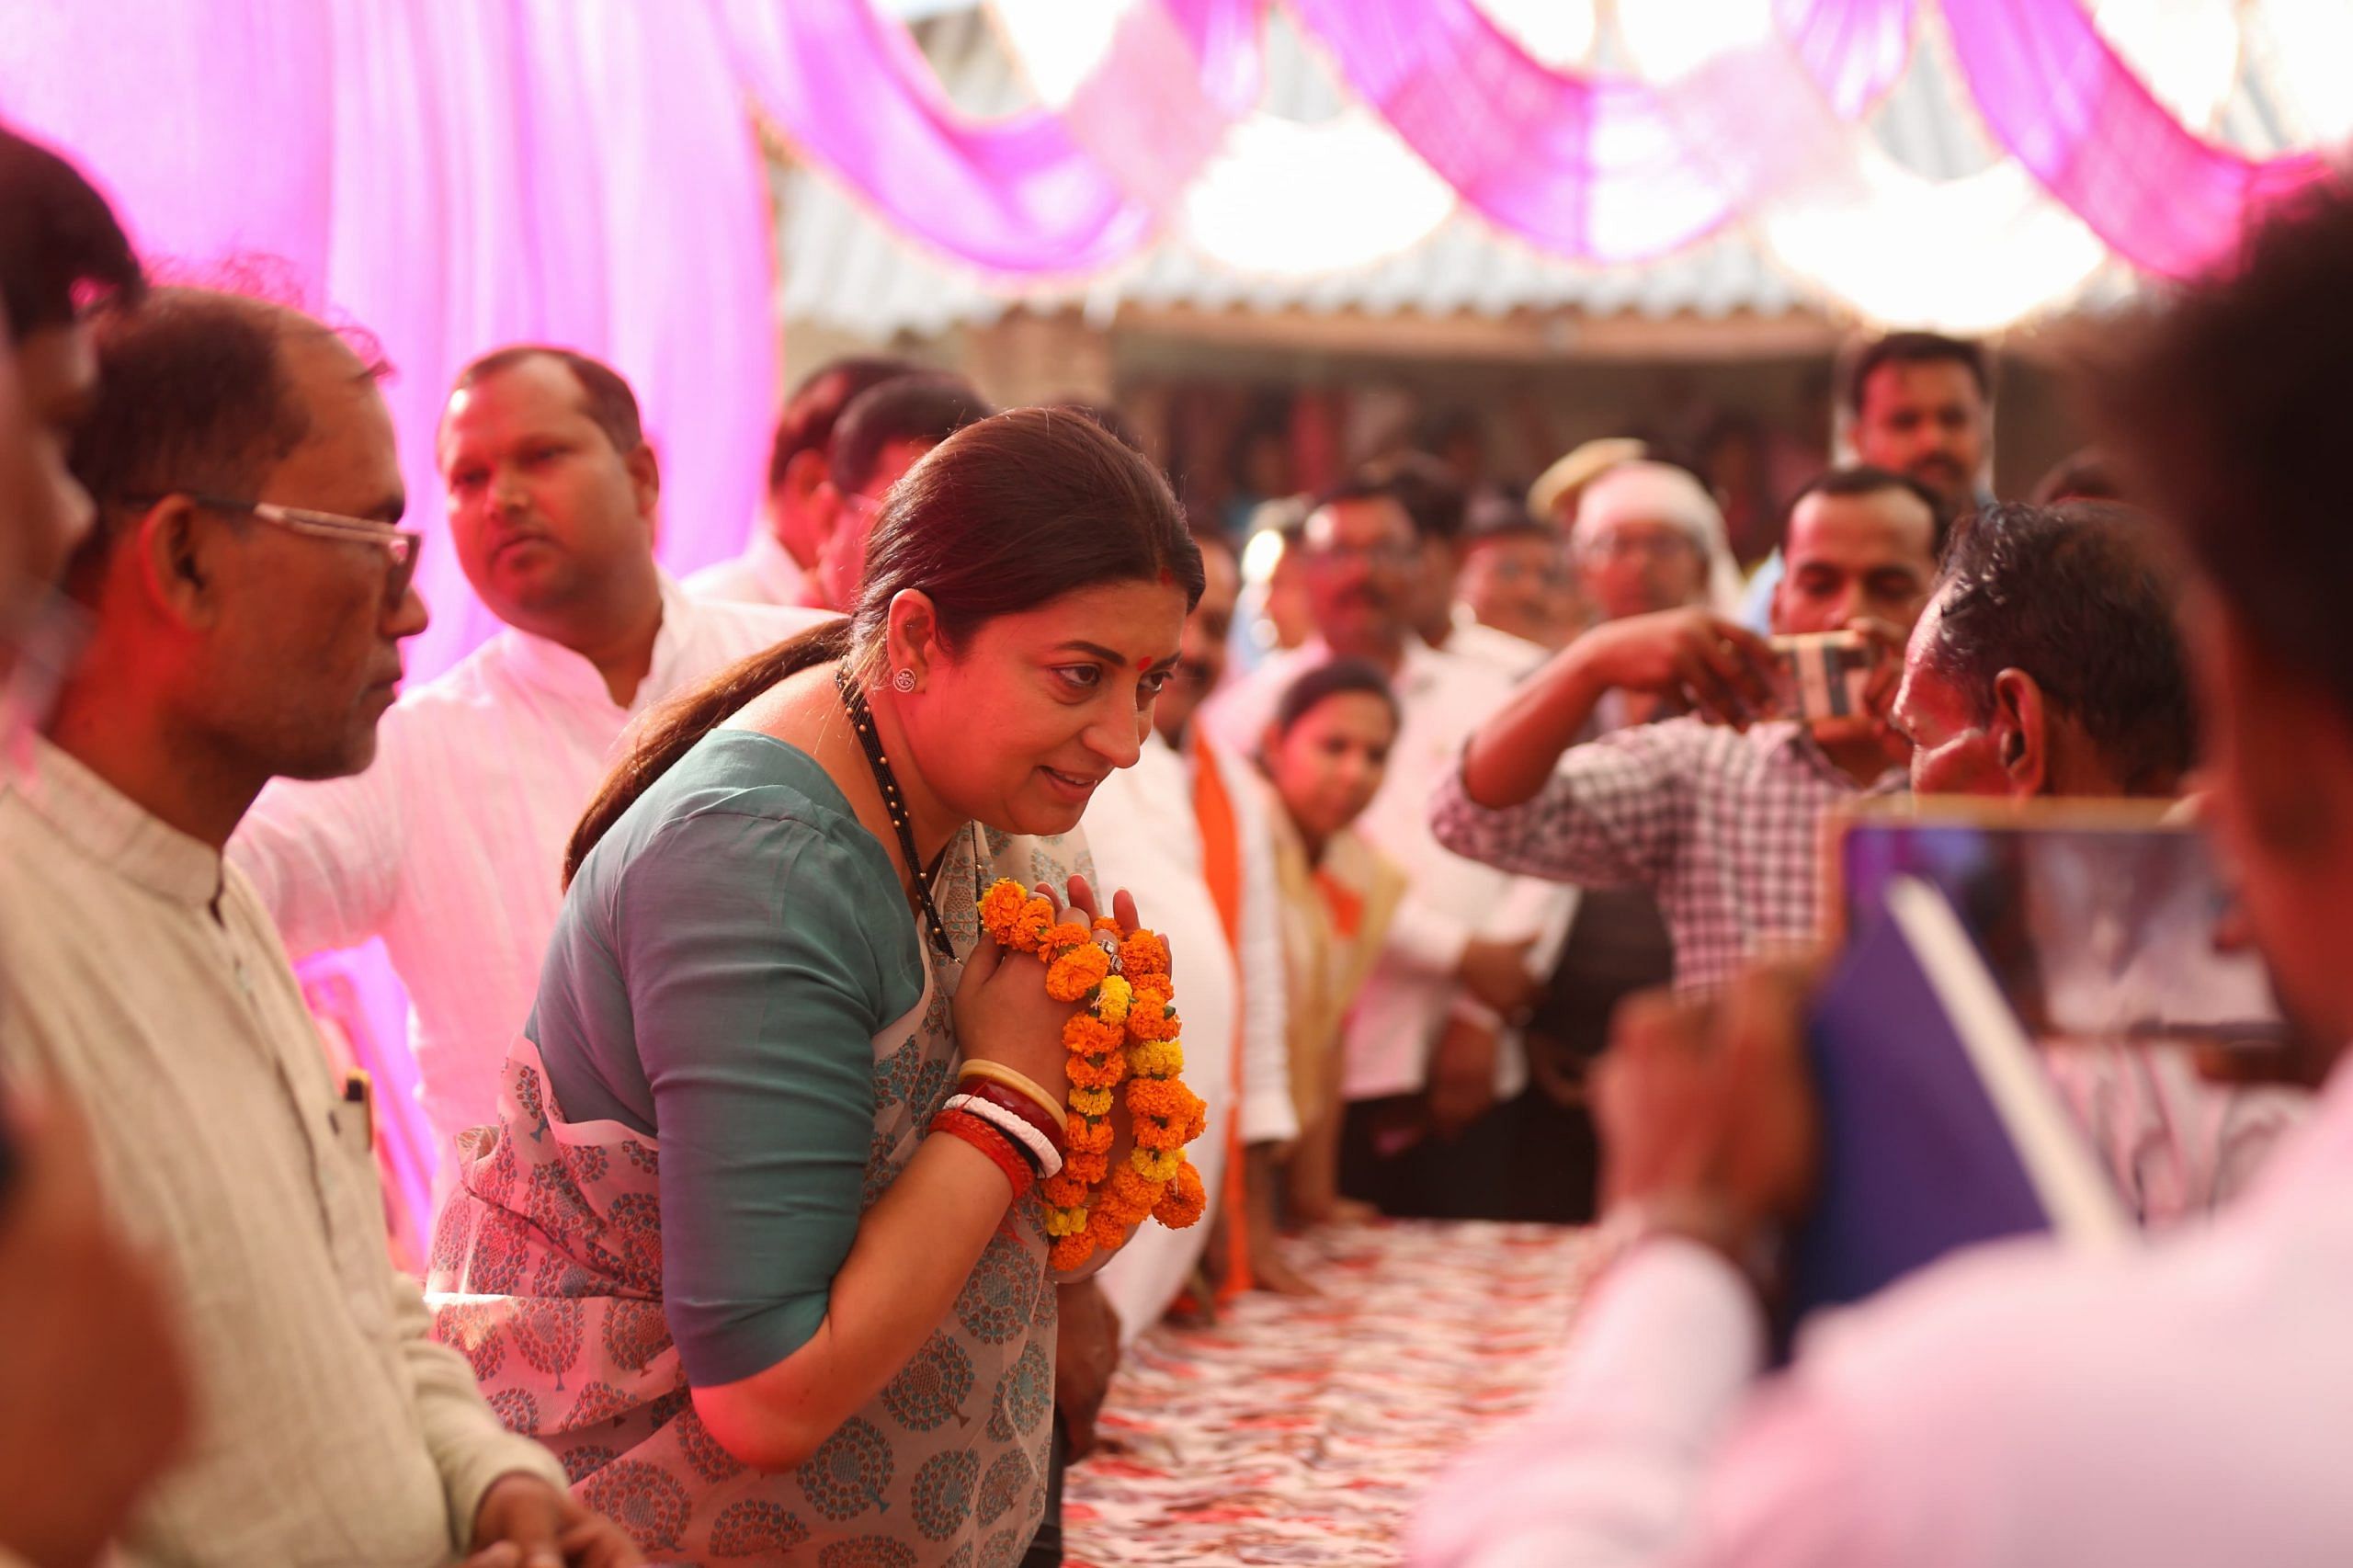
(1823,675)
(2100,921)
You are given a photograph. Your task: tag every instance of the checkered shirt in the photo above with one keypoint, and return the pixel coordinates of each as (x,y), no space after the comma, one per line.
(1724,827)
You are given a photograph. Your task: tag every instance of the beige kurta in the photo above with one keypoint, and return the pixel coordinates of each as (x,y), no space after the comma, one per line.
(153,990)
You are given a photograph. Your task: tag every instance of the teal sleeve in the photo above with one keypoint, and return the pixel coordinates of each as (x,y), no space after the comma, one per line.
(762,957)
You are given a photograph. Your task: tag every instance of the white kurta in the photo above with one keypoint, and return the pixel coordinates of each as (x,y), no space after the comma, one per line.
(1145,838)
(146,985)
(450,846)
(765,574)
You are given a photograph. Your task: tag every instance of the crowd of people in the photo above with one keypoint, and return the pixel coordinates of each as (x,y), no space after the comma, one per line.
(1481,829)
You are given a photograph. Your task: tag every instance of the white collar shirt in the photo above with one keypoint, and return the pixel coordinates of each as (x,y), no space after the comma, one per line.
(146,985)
(1449,899)
(765,574)
(449,846)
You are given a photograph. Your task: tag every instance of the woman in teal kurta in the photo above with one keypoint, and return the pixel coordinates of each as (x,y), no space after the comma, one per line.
(691,1254)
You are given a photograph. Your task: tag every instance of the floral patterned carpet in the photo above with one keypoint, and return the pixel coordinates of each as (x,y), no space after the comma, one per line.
(1305,1431)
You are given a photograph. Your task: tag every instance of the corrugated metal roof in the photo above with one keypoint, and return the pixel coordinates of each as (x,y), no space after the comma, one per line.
(846,270)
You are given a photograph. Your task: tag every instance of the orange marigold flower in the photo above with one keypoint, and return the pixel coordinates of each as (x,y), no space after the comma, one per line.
(1086,1072)
(1088,1167)
(1076,973)
(1134,1191)
(1088,1137)
(1183,1202)
(1064,933)
(1153,1019)
(1157,1097)
(1083,1036)
(1106,923)
(1064,1189)
(1159,1135)
(1109,1229)
(1000,905)
(1072,1251)
(1029,923)
(1142,954)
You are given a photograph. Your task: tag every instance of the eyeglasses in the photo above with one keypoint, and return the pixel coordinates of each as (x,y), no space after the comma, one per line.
(400,545)
(1628,545)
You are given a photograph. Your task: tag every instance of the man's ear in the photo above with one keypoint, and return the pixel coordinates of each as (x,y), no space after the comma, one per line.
(2021,733)
(645,479)
(176,552)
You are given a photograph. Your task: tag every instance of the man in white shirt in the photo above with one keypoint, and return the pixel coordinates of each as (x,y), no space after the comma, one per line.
(790,532)
(883,433)
(450,846)
(1431,1044)
(1200,844)
(2187,1402)
(247,588)
(94,1389)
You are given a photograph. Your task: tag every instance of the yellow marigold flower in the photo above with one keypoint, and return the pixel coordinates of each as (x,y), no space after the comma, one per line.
(1183,1202)
(1111,1000)
(1076,973)
(1155,1164)
(1066,1221)
(1156,1059)
(1091,1102)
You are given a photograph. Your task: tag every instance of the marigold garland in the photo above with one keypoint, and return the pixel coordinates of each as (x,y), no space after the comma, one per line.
(1128,1034)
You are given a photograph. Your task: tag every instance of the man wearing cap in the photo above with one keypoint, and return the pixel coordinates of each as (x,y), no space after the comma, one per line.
(1717,814)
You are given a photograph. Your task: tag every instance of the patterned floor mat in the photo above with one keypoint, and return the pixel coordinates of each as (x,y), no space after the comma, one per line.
(1305,1431)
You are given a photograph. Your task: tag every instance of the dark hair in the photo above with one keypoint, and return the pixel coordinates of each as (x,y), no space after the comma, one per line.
(1869,479)
(2084,475)
(1007,515)
(2229,413)
(1335,677)
(2078,597)
(1492,517)
(605,397)
(928,407)
(59,241)
(193,395)
(1914,348)
(1109,417)
(815,406)
(1428,491)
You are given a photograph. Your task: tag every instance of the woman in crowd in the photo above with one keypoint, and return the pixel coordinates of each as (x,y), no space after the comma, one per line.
(719,1253)
(1323,757)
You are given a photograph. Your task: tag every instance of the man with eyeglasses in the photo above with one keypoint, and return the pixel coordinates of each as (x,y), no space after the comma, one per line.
(449,846)
(246,590)
(1717,813)
(1432,1044)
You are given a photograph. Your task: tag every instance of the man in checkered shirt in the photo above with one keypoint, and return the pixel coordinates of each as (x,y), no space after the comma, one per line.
(1720,813)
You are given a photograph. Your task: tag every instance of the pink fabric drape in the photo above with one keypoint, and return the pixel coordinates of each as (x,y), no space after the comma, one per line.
(2058,96)
(1587,165)
(452,177)
(1022,194)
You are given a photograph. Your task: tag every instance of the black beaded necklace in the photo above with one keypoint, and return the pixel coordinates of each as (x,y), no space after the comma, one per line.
(894,804)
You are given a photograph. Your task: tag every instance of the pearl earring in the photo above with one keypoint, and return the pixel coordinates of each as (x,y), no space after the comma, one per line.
(904,682)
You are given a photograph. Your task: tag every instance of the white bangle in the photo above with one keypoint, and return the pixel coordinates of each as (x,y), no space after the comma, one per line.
(1010,1123)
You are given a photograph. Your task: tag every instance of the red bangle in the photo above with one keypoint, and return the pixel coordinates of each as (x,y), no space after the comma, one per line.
(989,1142)
(1020,1104)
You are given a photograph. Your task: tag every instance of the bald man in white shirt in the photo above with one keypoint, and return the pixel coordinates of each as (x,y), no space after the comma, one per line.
(449,846)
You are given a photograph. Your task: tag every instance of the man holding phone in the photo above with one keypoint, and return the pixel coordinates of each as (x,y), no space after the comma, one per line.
(1719,813)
